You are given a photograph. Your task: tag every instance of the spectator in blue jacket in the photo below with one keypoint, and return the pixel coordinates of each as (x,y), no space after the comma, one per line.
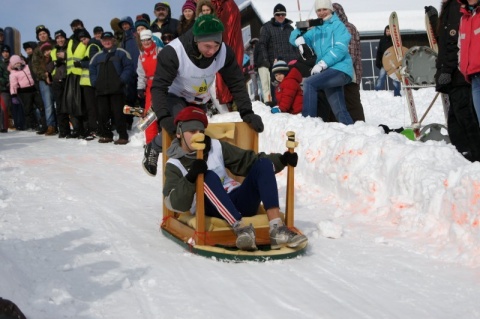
(129,44)
(334,67)
(110,71)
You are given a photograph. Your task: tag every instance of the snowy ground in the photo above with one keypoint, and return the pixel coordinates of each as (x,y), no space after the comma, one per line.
(79,229)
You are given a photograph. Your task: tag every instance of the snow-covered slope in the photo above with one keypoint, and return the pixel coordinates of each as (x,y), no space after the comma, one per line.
(79,228)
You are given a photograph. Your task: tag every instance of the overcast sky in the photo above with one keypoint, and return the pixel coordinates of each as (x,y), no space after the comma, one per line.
(55,14)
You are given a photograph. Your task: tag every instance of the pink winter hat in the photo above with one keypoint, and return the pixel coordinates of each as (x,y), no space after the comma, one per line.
(189,5)
(14,59)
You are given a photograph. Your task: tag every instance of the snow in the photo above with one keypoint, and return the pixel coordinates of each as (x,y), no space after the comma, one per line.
(393,228)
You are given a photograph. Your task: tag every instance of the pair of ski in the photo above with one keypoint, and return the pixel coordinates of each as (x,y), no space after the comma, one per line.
(407,87)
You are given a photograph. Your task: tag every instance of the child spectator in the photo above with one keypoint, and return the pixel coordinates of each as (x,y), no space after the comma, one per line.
(289,94)
(22,87)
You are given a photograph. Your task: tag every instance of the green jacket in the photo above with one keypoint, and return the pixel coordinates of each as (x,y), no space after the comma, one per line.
(179,192)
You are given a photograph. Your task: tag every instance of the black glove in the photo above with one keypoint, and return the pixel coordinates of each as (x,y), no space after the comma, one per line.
(307,55)
(77,64)
(198,167)
(167,123)
(141,94)
(444,79)
(289,159)
(254,121)
(431,11)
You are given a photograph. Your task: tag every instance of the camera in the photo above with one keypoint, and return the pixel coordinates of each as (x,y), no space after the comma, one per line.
(304,25)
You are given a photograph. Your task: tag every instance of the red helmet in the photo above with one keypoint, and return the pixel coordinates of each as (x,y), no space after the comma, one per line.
(191,113)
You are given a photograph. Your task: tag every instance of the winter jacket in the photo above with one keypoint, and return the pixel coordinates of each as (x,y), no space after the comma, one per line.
(179,192)
(169,26)
(129,42)
(38,62)
(110,71)
(168,65)
(20,79)
(147,64)
(330,43)
(354,45)
(289,94)
(228,12)
(447,39)
(469,41)
(273,42)
(383,45)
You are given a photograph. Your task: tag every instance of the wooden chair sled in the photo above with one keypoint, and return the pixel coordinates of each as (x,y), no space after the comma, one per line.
(213,237)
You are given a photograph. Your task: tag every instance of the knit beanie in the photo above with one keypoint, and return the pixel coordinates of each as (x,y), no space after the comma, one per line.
(146,34)
(280,67)
(279,8)
(82,33)
(189,4)
(60,33)
(323,4)
(142,22)
(45,47)
(208,28)
(97,29)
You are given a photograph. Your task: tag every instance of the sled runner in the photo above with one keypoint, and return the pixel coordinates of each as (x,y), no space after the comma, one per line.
(213,237)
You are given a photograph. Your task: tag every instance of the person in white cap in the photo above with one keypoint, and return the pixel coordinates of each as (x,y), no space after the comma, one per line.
(147,64)
(334,67)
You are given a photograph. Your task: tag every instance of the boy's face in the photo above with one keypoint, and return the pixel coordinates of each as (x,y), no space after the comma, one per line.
(186,141)
(279,76)
(29,51)
(5,54)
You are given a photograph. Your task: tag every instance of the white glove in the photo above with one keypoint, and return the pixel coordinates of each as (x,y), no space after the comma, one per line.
(319,67)
(299,41)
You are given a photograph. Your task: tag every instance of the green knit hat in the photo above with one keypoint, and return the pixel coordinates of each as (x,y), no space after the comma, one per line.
(208,28)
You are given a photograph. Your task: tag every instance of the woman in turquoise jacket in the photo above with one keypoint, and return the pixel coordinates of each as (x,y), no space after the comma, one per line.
(334,67)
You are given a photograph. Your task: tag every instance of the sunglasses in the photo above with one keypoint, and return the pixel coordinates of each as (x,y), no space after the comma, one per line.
(146,40)
(280,14)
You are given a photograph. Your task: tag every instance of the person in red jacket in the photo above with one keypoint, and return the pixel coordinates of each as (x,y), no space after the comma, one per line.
(289,93)
(469,44)
(229,14)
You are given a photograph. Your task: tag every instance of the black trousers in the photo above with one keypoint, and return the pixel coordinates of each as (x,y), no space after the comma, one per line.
(88,97)
(62,114)
(111,106)
(463,127)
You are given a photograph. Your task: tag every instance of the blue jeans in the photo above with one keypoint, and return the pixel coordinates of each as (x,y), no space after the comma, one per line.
(47,97)
(476,94)
(382,77)
(331,81)
(259,186)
